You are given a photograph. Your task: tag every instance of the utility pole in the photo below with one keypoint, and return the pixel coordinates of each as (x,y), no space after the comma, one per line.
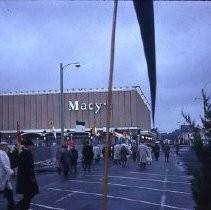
(62,68)
(61,104)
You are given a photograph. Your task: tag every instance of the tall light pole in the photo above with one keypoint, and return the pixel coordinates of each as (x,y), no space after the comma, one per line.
(62,97)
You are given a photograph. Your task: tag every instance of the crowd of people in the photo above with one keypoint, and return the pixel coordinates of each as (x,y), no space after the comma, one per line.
(67,157)
(22,160)
(141,153)
(20,163)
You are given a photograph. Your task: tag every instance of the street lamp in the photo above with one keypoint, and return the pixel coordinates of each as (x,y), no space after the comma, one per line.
(62,68)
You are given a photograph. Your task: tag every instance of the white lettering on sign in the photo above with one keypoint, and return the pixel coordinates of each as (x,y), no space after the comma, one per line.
(91,107)
(83,106)
(73,106)
(76,106)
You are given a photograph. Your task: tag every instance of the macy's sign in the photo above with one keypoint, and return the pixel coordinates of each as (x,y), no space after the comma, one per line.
(76,106)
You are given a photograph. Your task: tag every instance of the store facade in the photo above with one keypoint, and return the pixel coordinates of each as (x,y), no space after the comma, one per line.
(40,111)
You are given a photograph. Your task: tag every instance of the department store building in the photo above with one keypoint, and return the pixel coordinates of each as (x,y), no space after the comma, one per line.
(38,112)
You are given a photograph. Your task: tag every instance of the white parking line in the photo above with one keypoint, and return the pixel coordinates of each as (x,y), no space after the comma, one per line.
(135,186)
(134,178)
(46,207)
(163,201)
(163,197)
(120,198)
(135,172)
(62,198)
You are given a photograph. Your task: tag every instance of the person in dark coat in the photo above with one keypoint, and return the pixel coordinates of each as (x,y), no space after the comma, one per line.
(167,151)
(58,159)
(88,155)
(26,180)
(65,161)
(13,156)
(73,159)
(156,150)
(134,149)
(123,154)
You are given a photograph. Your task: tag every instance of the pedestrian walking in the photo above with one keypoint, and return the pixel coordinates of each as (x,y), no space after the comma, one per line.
(88,155)
(156,151)
(14,159)
(117,155)
(123,154)
(5,174)
(149,158)
(166,151)
(73,159)
(177,148)
(109,151)
(134,149)
(58,159)
(26,180)
(65,161)
(142,155)
(96,151)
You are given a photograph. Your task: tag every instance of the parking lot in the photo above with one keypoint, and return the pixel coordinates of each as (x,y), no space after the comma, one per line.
(160,186)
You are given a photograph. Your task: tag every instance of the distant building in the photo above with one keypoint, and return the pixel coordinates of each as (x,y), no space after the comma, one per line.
(40,111)
(186,134)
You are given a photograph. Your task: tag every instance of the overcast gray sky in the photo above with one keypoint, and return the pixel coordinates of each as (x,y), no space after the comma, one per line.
(35,36)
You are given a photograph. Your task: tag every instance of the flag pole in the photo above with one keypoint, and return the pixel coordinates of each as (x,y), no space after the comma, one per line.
(109,109)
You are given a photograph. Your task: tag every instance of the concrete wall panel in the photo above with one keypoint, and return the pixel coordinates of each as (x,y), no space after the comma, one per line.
(16,110)
(143,114)
(33,112)
(56,110)
(121,109)
(73,114)
(98,115)
(85,113)
(50,111)
(1,113)
(91,113)
(115,109)
(103,96)
(39,111)
(128,111)
(67,120)
(79,115)
(6,113)
(140,122)
(22,111)
(44,112)
(133,108)
(11,112)
(27,112)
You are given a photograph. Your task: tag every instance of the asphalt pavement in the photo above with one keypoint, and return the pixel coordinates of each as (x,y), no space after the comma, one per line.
(161,186)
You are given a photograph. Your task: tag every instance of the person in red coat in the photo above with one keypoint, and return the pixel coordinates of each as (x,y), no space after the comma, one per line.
(26,180)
